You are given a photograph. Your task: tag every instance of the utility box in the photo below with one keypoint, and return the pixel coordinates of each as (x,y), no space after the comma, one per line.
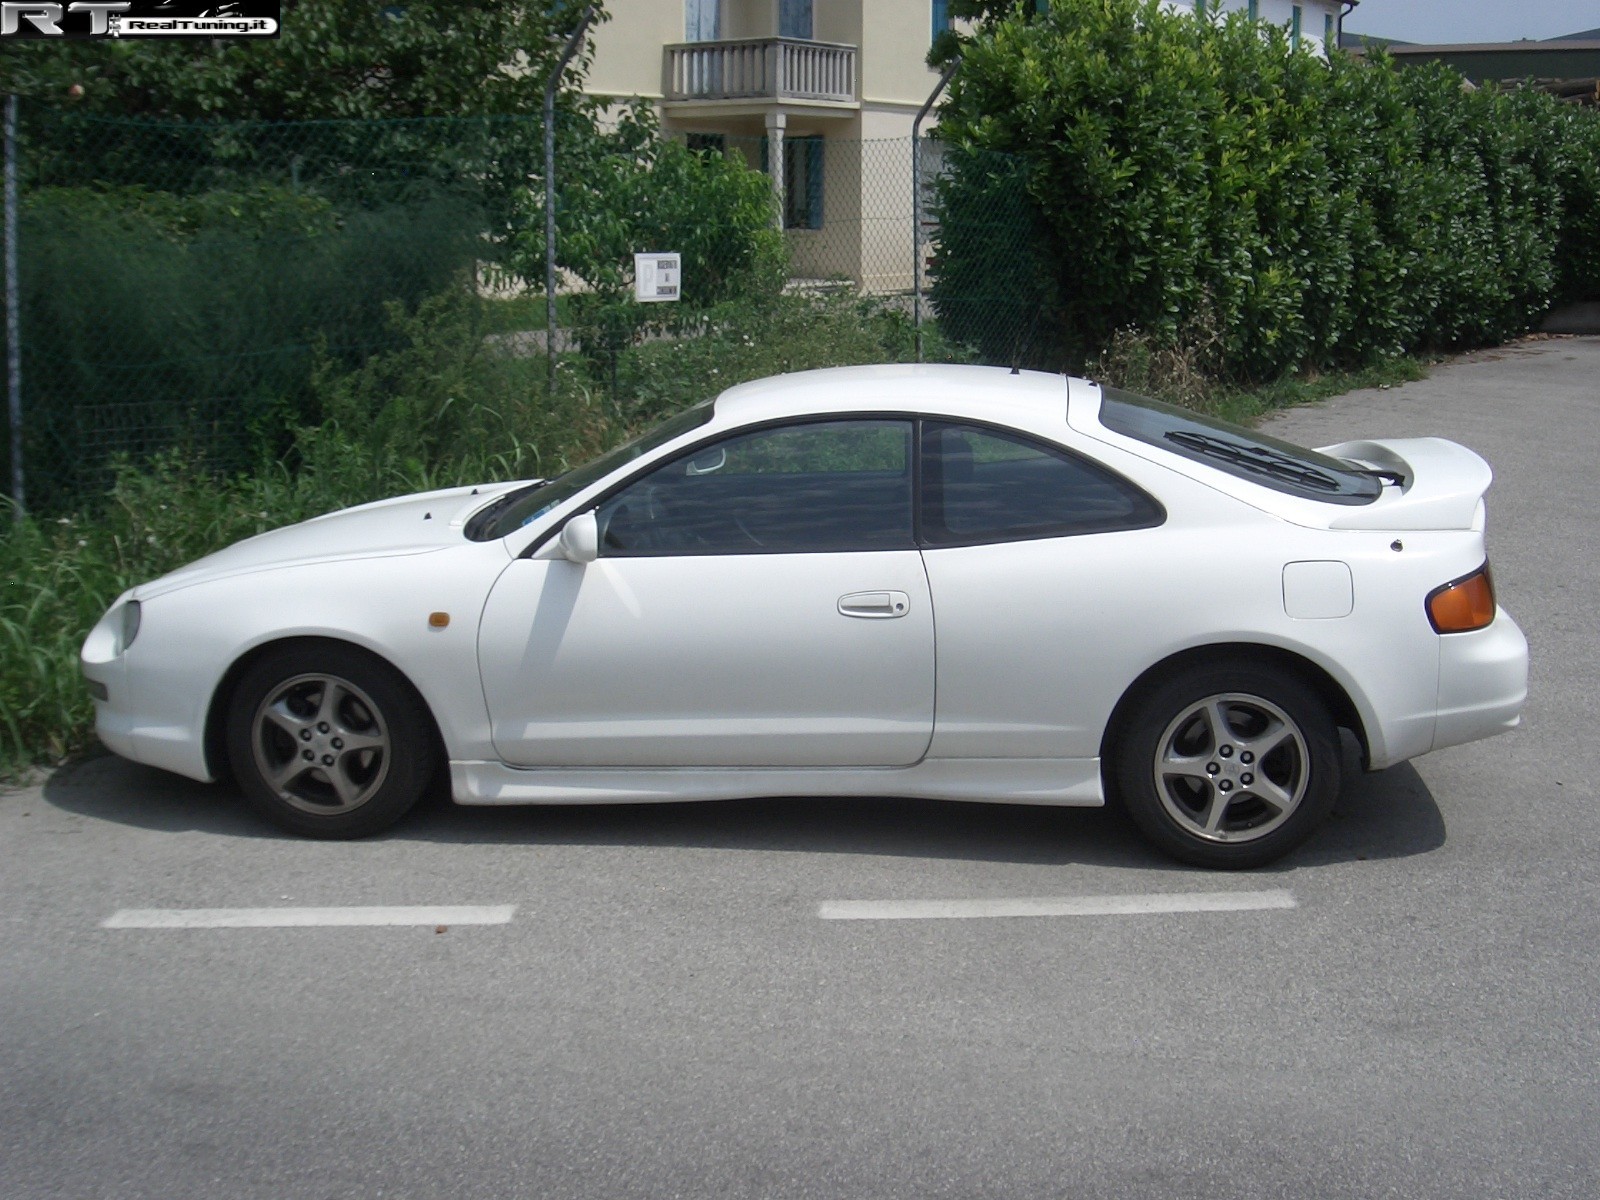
(657,277)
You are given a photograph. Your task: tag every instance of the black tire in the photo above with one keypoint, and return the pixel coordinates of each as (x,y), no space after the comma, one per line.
(328,741)
(1240,800)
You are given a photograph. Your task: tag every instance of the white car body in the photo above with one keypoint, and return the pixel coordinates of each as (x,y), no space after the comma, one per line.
(688,676)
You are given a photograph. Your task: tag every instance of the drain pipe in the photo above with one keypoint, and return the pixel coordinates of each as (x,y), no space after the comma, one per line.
(550,86)
(916,200)
(1346,7)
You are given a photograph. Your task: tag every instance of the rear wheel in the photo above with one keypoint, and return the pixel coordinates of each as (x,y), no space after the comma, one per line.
(328,741)
(1228,767)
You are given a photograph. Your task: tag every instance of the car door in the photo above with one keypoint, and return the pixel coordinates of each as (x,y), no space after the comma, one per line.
(1047,570)
(759,602)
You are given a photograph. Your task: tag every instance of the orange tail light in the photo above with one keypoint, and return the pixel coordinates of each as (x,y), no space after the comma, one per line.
(1464,605)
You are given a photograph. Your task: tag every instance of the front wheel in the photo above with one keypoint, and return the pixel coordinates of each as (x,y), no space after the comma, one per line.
(328,741)
(1228,767)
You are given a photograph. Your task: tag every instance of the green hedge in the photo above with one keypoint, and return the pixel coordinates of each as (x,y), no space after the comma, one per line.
(1202,181)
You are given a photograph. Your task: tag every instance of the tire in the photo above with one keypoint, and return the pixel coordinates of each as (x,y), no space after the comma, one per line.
(327,741)
(1228,767)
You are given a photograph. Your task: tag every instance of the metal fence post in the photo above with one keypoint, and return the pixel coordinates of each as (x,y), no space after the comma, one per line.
(916,201)
(13,317)
(550,86)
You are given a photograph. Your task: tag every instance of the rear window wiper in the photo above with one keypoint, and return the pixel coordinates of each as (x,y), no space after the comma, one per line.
(1258,458)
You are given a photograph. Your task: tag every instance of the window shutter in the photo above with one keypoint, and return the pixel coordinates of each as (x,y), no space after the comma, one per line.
(794,19)
(814,183)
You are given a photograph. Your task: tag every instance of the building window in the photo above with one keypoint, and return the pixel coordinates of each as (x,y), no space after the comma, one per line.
(941,17)
(1255,10)
(1294,28)
(1329,40)
(802,183)
(794,19)
(1199,8)
(709,145)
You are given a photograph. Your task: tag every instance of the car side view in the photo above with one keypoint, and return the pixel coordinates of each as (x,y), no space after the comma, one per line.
(946,582)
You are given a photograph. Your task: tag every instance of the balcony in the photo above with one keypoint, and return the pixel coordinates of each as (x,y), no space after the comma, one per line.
(762,69)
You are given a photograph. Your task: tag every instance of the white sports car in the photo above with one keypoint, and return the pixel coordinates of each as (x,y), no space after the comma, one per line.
(951,582)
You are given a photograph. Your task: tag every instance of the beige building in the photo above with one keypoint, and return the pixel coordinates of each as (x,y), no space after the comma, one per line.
(820,93)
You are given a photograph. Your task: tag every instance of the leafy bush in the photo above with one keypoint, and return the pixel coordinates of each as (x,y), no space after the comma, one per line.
(640,191)
(988,296)
(1174,171)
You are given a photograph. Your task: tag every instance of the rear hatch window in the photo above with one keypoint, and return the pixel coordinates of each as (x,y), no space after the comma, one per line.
(1276,464)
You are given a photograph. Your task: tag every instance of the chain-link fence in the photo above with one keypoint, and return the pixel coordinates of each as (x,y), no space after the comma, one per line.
(201,287)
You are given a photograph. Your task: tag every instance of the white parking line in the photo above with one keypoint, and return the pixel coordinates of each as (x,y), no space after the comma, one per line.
(1062,906)
(284,918)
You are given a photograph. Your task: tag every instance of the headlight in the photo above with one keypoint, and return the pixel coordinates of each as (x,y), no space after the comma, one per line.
(130,624)
(113,633)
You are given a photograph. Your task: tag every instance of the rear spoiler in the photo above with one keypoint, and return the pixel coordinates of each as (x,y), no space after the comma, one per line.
(1442,484)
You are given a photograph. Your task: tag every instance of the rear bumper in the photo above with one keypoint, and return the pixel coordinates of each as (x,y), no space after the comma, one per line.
(1483,682)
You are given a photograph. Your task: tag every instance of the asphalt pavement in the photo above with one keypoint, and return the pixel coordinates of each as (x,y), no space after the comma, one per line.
(713,1000)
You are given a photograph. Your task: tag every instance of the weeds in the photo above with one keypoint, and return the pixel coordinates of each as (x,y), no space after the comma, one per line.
(1184,372)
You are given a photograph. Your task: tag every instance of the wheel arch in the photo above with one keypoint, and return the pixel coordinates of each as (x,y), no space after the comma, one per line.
(1340,707)
(216,728)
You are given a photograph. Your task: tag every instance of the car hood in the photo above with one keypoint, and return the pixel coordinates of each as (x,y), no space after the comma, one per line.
(416,524)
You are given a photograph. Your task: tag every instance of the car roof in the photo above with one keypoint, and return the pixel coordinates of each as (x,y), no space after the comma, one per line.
(904,387)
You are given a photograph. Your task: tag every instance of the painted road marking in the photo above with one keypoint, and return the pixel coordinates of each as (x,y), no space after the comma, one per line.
(284,918)
(1059,906)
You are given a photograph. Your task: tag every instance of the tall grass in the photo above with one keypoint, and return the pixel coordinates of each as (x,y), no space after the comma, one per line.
(61,573)
(442,409)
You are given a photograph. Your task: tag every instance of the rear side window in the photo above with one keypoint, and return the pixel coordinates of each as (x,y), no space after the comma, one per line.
(981,485)
(1276,464)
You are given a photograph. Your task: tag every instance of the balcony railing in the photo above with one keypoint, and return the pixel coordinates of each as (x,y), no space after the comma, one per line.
(761,69)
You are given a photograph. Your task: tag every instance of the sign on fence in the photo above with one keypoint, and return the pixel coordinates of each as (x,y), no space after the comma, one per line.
(657,277)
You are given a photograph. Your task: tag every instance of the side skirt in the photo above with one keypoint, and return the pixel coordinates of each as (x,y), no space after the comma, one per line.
(1063,782)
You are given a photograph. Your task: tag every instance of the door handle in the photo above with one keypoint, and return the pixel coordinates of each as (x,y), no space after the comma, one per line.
(875,604)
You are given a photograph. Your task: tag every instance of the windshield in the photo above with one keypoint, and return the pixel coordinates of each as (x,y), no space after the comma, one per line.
(1273,463)
(510,512)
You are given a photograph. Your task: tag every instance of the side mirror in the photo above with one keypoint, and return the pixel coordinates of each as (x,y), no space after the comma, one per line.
(580,538)
(707,463)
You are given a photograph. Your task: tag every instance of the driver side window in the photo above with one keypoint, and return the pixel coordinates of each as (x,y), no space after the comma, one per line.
(817,487)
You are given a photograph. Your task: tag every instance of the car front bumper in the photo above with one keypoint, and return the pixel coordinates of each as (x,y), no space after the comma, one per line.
(148,724)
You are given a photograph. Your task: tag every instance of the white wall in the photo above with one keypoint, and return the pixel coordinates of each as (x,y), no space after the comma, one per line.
(1313,14)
